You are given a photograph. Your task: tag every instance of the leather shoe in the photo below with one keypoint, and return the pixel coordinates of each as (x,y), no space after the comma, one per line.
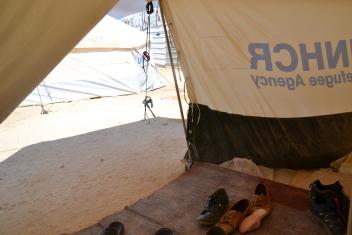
(214,208)
(231,220)
(260,207)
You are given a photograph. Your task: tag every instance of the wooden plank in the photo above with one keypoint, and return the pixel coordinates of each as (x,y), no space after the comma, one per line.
(178,204)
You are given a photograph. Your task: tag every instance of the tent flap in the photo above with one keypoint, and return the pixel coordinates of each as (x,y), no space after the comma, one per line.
(35,36)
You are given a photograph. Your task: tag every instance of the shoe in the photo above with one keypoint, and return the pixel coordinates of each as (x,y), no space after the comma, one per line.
(115,228)
(318,187)
(215,207)
(334,191)
(260,207)
(325,209)
(165,231)
(231,220)
(261,198)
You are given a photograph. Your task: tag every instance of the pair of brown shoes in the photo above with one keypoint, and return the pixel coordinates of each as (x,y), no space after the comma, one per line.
(244,215)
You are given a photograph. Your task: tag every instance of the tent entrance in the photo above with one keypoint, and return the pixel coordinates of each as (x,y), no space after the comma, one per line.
(177,205)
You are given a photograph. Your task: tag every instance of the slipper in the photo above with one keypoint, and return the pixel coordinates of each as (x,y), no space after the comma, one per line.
(115,228)
(165,231)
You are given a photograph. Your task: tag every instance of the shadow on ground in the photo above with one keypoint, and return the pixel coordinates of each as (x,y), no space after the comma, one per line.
(64,185)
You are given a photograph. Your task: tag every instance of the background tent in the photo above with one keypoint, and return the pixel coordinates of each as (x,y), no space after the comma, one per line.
(104,63)
(158,46)
(127,7)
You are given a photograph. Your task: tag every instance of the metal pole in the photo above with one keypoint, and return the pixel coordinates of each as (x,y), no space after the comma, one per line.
(189,160)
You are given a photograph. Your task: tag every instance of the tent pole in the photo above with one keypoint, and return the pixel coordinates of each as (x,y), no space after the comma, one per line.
(189,161)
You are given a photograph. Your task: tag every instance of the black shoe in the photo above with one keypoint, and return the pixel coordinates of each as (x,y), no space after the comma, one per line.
(165,231)
(325,209)
(215,207)
(318,186)
(334,192)
(115,228)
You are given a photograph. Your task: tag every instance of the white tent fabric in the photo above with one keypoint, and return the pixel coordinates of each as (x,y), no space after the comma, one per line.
(95,74)
(127,7)
(110,33)
(104,63)
(254,58)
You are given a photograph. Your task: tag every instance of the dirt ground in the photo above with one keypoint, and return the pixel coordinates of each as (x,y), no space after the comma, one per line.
(65,170)
(84,160)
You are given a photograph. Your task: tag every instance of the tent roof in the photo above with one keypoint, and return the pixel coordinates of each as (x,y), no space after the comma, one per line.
(110,33)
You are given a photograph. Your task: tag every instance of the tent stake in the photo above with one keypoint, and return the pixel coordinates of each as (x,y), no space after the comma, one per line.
(189,160)
(41,103)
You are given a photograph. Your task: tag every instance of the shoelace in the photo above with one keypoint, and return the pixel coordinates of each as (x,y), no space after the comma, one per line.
(339,212)
(329,218)
(229,217)
(209,203)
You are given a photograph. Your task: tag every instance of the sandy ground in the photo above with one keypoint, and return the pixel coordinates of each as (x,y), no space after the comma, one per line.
(66,170)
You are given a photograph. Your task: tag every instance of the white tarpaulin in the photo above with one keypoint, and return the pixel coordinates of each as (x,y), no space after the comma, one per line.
(128,7)
(104,63)
(111,34)
(95,74)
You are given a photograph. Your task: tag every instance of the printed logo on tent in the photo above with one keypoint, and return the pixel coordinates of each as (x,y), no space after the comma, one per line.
(284,59)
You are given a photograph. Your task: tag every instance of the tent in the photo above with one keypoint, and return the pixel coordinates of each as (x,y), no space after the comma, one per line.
(268,80)
(260,84)
(106,62)
(263,86)
(126,7)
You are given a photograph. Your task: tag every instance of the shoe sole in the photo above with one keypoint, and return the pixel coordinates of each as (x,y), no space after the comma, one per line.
(253,220)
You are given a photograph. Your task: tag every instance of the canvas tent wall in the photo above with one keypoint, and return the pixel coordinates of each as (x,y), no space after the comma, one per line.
(104,63)
(264,84)
(35,36)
